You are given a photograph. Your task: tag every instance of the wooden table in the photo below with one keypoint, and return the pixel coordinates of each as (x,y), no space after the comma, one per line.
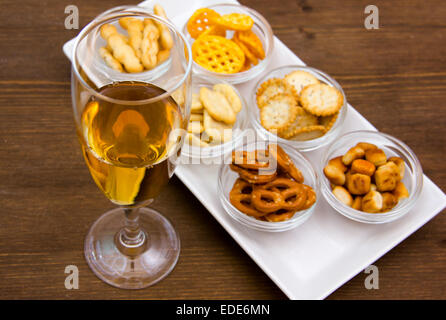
(394,76)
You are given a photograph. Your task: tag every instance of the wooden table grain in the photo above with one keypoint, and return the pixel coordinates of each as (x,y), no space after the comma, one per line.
(395,76)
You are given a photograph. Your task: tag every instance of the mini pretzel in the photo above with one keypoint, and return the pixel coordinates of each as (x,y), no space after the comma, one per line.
(240,197)
(282,215)
(267,201)
(250,160)
(311,197)
(285,163)
(253,176)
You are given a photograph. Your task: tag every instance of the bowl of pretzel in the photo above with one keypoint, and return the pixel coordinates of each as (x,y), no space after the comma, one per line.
(230,42)
(371,177)
(268,187)
(299,106)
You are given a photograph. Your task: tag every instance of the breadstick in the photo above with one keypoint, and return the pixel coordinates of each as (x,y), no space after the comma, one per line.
(149,45)
(165,36)
(124,54)
(108,58)
(162,55)
(134,28)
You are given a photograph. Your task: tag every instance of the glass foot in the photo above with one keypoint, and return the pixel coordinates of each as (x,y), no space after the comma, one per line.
(157,259)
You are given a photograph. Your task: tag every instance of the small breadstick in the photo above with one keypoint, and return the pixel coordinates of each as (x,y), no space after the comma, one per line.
(108,58)
(107,30)
(165,36)
(124,53)
(149,45)
(135,29)
(163,55)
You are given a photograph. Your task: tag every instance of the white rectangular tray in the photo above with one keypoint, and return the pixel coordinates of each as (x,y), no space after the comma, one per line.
(313,260)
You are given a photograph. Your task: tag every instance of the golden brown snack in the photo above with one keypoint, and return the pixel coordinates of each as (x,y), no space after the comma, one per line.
(366,146)
(300,79)
(308,133)
(195,127)
(343,195)
(334,174)
(108,58)
(162,55)
(149,45)
(321,99)
(389,201)
(196,106)
(231,96)
(303,120)
(387,177)
(400,191)
(253,176)
(284,162)
(240,197)
(124,54)
(352,154)
(372,202)
(217,106)
(363,166)
(400,164)
(271,88)
(278,113)
(337,162)
(193,140)
(218,131)
(376,156)
(358,184)
(134,28)
(357,203)
(165,36)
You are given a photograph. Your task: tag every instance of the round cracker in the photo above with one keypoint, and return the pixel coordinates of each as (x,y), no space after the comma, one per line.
(279,112)
(328,121)
(303,119)
(321,99)
(309,133)
(271,88)
(300,79)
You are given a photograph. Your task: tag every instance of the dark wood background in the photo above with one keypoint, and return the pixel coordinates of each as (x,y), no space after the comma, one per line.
(394,76)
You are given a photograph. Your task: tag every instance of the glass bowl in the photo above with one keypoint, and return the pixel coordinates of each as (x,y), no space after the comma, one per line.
(227,178)
(261,28)
(238,130)
(413,177)
(308,145)
(102,71)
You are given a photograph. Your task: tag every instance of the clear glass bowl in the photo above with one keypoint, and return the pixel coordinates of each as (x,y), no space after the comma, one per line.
(217,151)
(309,145)
(101,71)
(413,177)
(261,28)
(227,178)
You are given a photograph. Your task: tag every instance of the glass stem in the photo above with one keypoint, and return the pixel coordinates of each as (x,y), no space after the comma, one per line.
(131,240)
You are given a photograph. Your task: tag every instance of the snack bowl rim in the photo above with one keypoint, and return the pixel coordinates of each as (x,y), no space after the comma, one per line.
(239,77)
(403,207)
(299,217)
(308,145)
(224,148)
